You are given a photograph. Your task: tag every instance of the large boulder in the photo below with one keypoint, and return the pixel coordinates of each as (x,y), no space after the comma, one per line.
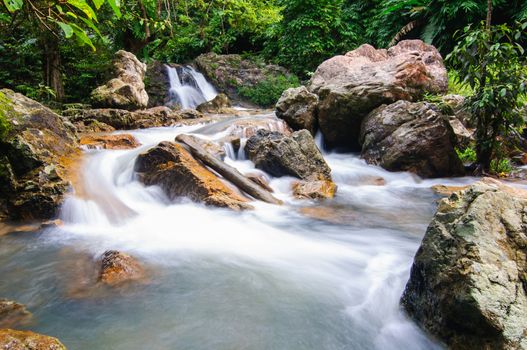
(406,136)
(230,72)
(172,167)
(468,283)
(219,104)
(157,84)
(298,107)
(34,157)
(11,339)
(280,155)
(122,119)
(126,90)
(351,86)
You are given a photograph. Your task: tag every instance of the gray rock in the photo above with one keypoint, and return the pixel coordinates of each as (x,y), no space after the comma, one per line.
(298,107)
(469,277)
(406,136)
(126,90)
(279,155)
(219,104)
(351,86)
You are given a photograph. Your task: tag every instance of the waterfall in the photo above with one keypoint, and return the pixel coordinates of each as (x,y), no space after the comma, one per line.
(189,87)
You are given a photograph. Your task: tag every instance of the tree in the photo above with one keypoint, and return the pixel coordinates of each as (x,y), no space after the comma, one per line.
(50,22)
(492,61)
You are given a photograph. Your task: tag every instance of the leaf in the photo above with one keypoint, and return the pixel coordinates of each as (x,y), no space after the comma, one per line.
(66,28)
(115,5)
(13,5)
(81,36)
(98,3)
(91,25)
(84,7)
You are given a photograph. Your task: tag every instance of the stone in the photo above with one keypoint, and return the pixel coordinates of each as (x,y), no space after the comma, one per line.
(219,104)
(415,137)
(260,180)
(468,282)
(113,141)
(118,268)
(331,214)
(34,158)
(157,84)
(464,136)
(457,107)
(210,146)
(13,313)
(11,339)
(351,86)
(121,119)
(171,167)
(298,107)
(447,191)
(126,90)
(280,155)
(321,189)
(230,72)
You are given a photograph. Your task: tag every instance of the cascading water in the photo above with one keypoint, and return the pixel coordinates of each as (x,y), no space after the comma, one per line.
(191,91)
(299,276)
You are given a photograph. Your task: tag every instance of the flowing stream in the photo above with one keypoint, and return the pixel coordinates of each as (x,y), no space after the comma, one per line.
(188,87)
(298,276)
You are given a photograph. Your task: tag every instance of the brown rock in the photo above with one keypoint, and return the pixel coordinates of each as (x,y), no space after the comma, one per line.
(219,104)
(298,107)
(172,167)
(118,268)
(25,340)
(333,215)
(351,86)
(447,190)
(260,180)
(115,141)
(322,189)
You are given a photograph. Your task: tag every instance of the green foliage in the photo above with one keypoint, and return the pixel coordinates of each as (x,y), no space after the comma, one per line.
(457,86)
(492,62)
(501,166)
(467,156)
(267,92)
(4,110)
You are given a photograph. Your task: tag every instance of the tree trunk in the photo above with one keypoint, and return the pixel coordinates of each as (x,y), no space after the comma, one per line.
(51,65)
(489,14)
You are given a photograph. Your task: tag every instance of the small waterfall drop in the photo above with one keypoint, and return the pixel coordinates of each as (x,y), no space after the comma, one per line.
(188,87)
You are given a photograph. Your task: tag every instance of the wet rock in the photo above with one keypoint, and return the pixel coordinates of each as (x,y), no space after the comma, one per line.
(13,313)
(121,119)
(220,104)
(333,215)
(191,114)
(415,137)
(11,339)
(321,189)
(296,155)
(157,84)
(230,72)
(298,107)
(115,141)
(118,268)
(351,86)
(171,166)
(33,158)
(446,191)
(126,90)
(468,283)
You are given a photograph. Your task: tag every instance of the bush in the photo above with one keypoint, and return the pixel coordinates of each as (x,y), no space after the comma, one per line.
(4,110)
(501,166)
(267,92)
(468,155)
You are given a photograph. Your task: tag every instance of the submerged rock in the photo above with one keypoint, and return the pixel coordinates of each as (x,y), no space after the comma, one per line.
(34,155)
(280,155)
(351,86)
(468,283)
(321,189)
(415,137)
(126,90)
(220,104)
(13,313)
(115,141)
(118,268)
(11,339)
(172,167)
(298,107)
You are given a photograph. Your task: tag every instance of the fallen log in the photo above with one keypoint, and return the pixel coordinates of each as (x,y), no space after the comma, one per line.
(227,171)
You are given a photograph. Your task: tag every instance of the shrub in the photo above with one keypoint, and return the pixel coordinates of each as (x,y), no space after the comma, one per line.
(501,166)
(468,155)
(267,92)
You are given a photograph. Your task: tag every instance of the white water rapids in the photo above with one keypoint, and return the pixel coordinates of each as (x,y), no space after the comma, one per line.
(188,87)
(271,278)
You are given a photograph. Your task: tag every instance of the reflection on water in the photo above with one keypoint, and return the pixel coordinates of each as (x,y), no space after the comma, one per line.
(299,276)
